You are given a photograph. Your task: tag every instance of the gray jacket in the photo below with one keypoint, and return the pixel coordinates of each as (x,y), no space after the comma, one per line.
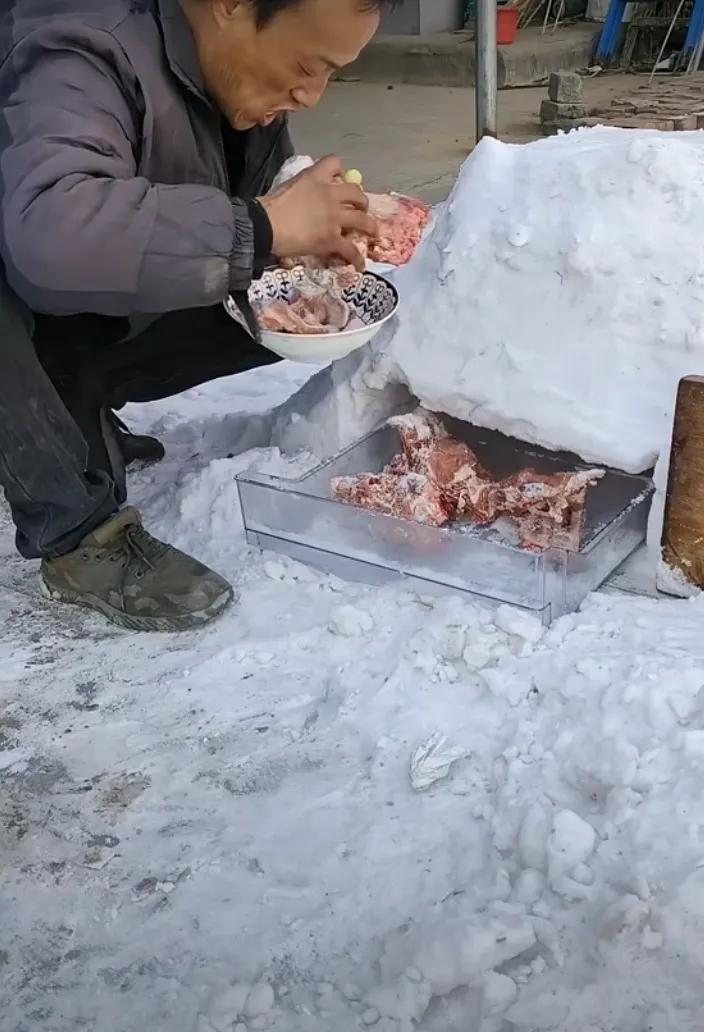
(115,191)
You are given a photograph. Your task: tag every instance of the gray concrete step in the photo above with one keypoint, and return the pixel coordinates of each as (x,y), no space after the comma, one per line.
(447,59)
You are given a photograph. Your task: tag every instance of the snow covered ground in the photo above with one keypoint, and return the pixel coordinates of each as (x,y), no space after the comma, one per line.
(241,828)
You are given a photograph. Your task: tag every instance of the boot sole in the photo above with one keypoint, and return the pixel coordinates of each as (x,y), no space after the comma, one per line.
(154,624)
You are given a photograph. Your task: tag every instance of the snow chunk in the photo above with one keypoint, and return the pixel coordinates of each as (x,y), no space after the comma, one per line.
(351,622)
(499,993)
(404,1001)
(259,1001)
(569,847)
(546,1011)
(521,625)
(533,837)
(228,1007)
(446,955)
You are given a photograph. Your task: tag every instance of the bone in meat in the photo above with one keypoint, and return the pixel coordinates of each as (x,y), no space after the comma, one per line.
(410,496)
(547,508)
(449,463)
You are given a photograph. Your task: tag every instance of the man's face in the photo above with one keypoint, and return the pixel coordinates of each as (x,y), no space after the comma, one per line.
(254,74)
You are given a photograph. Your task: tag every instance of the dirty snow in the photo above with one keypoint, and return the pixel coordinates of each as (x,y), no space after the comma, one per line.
(343,807)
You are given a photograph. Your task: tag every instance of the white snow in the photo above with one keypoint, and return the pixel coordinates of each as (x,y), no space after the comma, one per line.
(611,302)
(594,366)
(343,807)
(219,830)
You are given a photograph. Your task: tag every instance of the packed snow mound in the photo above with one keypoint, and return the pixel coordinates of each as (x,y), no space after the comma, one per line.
(559,297)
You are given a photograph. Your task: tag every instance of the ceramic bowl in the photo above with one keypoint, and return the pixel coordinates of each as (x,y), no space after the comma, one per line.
(372,300)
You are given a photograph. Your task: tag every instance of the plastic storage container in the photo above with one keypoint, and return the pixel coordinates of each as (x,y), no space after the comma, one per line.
(298,518)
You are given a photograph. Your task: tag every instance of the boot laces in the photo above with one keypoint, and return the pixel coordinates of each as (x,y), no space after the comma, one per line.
(138,546)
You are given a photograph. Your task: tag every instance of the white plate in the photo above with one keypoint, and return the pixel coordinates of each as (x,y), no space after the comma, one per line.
(373,301)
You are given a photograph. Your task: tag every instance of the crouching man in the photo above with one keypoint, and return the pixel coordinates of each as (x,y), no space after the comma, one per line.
(139,140)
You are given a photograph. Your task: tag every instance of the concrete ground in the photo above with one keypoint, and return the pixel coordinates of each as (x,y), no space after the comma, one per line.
(414,138)
(448,58)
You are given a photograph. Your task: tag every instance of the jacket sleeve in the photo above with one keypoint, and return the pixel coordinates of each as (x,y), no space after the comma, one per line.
(81,231)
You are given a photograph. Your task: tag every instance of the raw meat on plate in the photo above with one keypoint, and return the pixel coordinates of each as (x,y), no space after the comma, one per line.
(318,307)
(305,315)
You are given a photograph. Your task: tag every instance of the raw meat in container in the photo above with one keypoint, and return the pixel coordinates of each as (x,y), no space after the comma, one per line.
(437,478)
(410,496)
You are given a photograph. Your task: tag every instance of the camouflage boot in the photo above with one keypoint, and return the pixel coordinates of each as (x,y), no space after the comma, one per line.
(136,581)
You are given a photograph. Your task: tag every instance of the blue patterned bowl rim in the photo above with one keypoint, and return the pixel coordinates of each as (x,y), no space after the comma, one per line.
(373,299)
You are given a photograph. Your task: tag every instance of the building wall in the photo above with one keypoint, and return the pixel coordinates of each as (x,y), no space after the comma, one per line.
(441,15)
(405,18)
(413,17)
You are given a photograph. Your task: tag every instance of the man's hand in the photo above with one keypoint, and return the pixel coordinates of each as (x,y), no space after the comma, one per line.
(312,213)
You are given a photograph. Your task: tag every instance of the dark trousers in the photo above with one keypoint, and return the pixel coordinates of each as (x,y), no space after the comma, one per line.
(60,466)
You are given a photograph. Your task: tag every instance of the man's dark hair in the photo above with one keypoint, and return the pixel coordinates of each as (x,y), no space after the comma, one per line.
(266,9)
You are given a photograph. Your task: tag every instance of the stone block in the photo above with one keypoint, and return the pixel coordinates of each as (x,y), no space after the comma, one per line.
(685,123)
(566,125)
(661,124)
(551,110)
(565,88)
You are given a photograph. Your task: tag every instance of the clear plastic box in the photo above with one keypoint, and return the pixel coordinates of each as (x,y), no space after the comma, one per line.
(298,518)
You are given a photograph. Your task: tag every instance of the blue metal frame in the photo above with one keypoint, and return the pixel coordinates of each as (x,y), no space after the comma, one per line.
(694,33)
(611,33)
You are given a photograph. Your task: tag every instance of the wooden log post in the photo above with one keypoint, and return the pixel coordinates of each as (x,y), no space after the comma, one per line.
(683,527)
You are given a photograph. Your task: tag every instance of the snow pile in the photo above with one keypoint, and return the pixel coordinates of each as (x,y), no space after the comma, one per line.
(342,807)
(559,298)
